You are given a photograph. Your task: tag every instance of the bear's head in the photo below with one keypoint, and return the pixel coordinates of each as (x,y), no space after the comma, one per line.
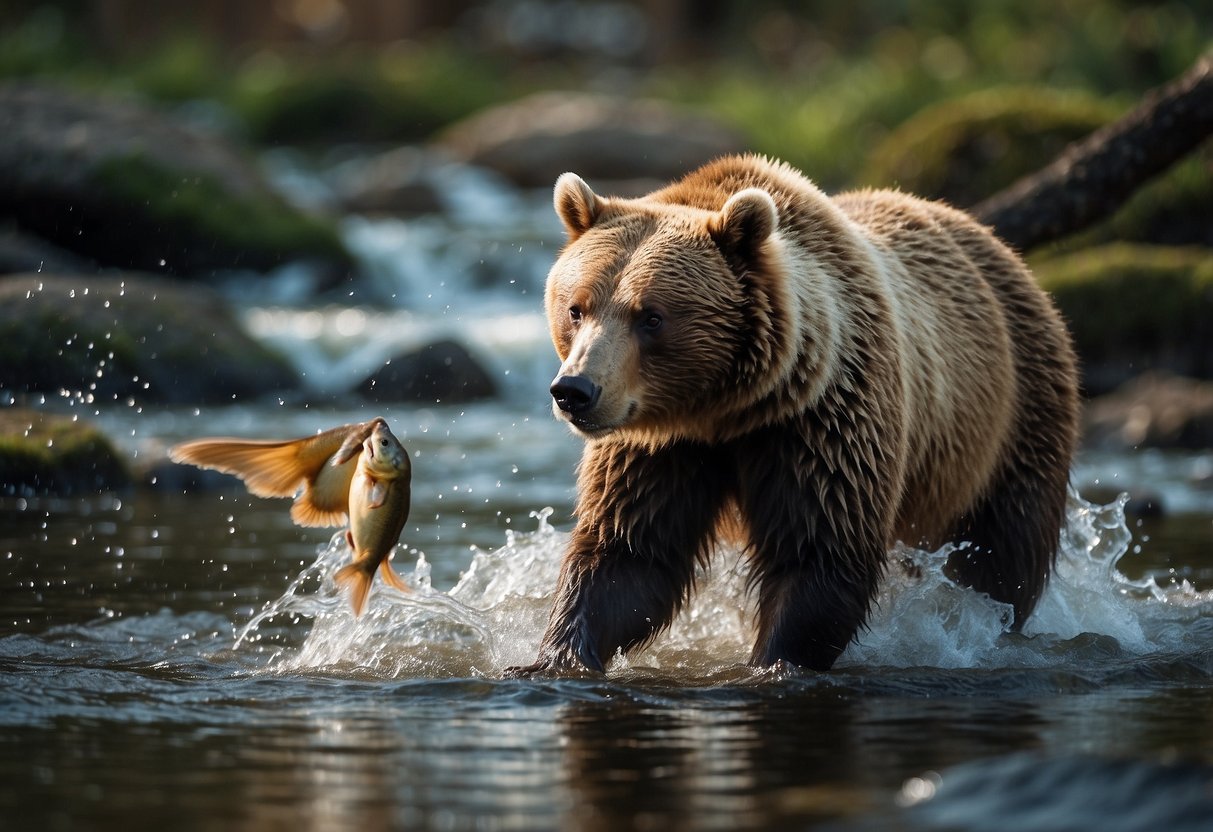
(662,313)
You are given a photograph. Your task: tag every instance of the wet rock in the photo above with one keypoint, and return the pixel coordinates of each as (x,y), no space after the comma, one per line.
(533,140)
(47,454)
(395,183)
(443,372)
(25,253)
(127,187)
(100,338)
(1156,410)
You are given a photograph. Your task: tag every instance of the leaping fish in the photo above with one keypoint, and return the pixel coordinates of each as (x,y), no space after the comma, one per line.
(359,472)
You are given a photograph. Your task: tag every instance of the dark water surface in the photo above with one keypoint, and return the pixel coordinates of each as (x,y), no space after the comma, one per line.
(125,702)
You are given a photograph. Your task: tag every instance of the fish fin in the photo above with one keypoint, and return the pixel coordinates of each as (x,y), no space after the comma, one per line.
(392,578)
(269,469)
(272,468)
(377,495)
(325,500)
(358,580)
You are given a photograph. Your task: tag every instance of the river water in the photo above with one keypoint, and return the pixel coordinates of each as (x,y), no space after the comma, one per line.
(184,660)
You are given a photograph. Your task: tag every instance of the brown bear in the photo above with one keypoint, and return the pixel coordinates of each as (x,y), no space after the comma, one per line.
(816,377)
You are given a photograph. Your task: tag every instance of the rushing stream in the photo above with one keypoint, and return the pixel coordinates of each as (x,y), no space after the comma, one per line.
(184,660)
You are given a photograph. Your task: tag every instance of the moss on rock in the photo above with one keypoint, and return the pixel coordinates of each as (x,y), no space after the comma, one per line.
(258,228)
(965,149)
(46,454)
(1133,308)
(130,188)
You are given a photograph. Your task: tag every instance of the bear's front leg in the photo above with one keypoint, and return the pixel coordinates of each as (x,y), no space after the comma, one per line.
(644,519)
(817,519)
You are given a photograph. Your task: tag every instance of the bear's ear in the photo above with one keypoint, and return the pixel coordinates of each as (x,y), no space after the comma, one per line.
(744,223)
(576,204)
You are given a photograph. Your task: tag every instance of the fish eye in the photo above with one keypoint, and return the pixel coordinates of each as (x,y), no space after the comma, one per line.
(383,442)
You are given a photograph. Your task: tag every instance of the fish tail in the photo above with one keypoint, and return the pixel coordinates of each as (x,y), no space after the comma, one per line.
(392,578)
(358,578)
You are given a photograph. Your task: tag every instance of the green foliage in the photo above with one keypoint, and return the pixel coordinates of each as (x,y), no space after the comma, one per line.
(816,82)
(825,125)
(43,43)
(399,93)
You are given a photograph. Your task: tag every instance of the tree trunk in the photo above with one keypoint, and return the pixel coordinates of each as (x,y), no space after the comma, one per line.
(1095,176)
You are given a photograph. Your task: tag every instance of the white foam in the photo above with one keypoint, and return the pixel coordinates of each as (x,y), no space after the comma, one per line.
(495,616)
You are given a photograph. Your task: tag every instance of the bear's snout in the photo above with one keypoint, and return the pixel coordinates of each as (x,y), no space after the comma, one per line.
(575,394)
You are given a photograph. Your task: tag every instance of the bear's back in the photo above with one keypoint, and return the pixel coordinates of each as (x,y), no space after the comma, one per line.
(958,296)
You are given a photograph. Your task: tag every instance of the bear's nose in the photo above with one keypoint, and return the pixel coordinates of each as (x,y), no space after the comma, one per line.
(575,394)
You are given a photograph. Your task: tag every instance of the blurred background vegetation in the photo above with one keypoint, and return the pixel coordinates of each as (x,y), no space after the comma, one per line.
(949,99)
(820,83)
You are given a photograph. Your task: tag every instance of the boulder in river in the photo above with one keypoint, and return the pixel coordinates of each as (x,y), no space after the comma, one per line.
(533,140)
(21,252)
(127,187)
(395,183)
(48,454)
(443,372)
(103,337)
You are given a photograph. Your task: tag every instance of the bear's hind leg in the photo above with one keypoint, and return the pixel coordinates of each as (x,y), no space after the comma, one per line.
(1009,540)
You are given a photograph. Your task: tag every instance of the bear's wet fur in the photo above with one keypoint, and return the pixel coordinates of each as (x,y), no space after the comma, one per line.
(818,377)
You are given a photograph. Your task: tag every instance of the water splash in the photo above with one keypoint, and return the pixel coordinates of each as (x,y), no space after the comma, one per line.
(491,618)
(495,615)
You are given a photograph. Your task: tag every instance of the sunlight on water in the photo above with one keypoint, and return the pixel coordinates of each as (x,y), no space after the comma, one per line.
(495,615)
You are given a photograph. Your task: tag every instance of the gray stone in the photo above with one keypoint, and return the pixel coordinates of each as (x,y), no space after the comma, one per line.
(443,372)
(603,138)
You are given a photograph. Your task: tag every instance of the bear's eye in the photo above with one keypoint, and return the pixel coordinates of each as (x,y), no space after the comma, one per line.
(575,314)
(651,322)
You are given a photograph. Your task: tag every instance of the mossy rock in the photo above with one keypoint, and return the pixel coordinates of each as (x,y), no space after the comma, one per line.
(46,454)
(130,188)
(106,338)
(1133,308)
(966,149)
